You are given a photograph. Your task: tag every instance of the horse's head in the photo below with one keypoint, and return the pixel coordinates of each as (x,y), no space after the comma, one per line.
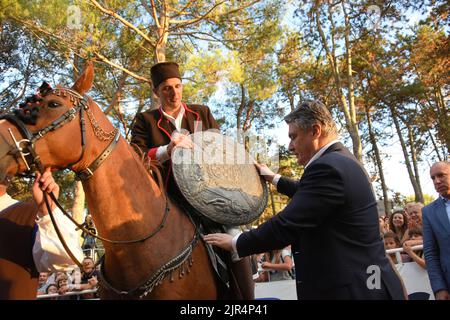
(50,129)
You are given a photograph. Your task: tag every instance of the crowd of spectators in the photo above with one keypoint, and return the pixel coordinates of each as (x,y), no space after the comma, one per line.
(275,265)
(403,229)
(75,280)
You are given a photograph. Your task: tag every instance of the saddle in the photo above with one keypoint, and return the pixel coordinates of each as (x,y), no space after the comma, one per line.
(219,258)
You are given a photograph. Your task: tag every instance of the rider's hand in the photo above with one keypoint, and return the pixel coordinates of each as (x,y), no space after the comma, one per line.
(179,140)
(265,172)
(44,183)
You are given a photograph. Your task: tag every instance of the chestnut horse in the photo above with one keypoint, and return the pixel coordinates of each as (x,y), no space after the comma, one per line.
(18,274)
(170,260)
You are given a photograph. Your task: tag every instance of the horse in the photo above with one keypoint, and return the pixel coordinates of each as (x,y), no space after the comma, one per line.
(155,249)
(18,274)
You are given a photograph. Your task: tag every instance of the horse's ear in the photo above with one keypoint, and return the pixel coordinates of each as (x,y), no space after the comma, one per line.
(84,82)
(45,88)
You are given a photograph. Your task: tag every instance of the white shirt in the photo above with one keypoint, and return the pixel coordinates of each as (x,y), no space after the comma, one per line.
(49,254)
(161,154)
(277,177)
(6,201)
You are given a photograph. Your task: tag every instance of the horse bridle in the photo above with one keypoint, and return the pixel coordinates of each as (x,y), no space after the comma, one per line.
(27,152)
(32,160)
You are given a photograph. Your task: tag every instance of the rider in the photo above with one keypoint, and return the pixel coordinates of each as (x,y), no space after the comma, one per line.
(157,132)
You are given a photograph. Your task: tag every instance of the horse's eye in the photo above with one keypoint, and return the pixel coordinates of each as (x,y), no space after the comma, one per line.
(53,104)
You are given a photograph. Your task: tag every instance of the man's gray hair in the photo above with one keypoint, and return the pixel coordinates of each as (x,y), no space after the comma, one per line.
(445,163)
(310,113)
(413,204)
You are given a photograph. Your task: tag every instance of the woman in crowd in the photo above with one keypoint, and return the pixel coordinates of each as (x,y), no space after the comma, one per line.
(398,223)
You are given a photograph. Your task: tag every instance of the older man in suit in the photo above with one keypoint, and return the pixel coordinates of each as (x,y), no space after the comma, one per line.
(436,232)
(331,221)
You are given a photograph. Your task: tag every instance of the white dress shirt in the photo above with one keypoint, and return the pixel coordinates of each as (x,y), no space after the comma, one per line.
(161,153)
(6,201)
(49,254)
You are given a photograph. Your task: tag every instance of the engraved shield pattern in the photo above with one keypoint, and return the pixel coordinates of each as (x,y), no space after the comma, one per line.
(218,178)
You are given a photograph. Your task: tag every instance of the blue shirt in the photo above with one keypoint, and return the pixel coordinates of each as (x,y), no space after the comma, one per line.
(447,206)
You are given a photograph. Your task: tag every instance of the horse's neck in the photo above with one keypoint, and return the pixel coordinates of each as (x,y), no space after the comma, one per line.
(121,196)
(126,204)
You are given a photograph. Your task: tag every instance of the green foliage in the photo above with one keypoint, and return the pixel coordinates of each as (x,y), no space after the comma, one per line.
(20,188)
(288,166)
(428,198)
(249,60)
(203,73)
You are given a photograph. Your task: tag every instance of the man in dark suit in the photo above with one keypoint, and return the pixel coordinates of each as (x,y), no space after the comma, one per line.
(331,221)
(436,232)
(157,132)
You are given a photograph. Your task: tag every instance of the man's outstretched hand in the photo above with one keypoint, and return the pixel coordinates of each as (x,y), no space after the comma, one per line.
(221,240)
(265,172)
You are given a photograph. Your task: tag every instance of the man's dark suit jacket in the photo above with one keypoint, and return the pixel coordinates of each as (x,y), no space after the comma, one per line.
(152,130)
(332,224)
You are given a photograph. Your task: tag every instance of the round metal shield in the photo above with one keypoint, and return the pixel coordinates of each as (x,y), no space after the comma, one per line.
(218,178)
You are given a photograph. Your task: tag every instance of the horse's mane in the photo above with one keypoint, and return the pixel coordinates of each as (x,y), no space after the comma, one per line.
(152,167)
(28,110)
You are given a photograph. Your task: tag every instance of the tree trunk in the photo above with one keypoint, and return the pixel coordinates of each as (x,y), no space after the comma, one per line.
(240,109)
(250,105)
(435,147)
(163,34)
(116,97)
(443,118)
(348,110)
(412,178)
(291,101)
(76,62)
(354,132)
(379,163)
(419,196)
(78,206)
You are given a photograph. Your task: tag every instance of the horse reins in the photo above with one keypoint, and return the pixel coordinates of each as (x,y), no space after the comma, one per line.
(33,163)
